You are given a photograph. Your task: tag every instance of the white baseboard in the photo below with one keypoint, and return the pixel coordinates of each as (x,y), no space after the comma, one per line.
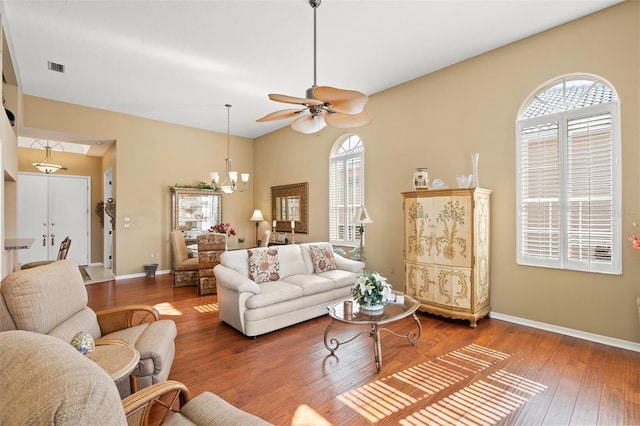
(141,274)
(610,341)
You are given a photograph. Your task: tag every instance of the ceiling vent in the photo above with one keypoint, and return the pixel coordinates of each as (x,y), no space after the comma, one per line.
(55,67)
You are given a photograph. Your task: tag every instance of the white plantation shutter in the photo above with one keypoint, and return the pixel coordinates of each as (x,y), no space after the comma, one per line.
(346,190)
(539,212)
(568,188)
(336,199)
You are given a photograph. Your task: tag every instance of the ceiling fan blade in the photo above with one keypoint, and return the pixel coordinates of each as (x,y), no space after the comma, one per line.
(345,121)
(341,100)
(309,124)
(281,115)
(293,100)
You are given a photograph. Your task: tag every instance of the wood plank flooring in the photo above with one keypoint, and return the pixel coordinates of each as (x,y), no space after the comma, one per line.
(498,373)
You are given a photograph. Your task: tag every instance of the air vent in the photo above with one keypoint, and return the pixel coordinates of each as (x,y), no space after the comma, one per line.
(55,67)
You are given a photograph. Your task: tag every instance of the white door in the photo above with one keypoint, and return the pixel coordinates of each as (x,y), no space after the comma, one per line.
(51,208)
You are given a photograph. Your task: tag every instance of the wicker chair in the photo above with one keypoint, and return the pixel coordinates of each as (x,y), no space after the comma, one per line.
(52,299)
(46,381)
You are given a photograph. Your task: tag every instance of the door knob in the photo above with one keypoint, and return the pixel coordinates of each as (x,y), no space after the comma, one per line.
(44,240)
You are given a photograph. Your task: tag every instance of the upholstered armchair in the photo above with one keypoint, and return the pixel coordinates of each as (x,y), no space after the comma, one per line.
(266,237)
(52,299)
(46,381)
(185,268)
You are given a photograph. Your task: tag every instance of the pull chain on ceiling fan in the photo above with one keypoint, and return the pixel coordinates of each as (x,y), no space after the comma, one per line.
(323,105)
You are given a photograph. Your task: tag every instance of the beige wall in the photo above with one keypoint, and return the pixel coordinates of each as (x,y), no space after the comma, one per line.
(149,157)
(436,121)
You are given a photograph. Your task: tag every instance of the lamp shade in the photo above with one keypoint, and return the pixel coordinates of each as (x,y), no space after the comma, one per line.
(362,216)
(257,216)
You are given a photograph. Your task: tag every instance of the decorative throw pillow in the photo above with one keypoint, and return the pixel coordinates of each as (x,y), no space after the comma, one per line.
(264,265)
(322,257)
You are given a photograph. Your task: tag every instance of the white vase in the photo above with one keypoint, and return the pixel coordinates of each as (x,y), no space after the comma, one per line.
(421,178)
(474,162)
(372,309)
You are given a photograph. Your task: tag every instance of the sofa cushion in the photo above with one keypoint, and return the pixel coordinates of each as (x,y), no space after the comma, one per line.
(36,305)
(264,264)
(236,260)
(84,320)
(322,257)
(291,261)
(311,283)
(340,278)
(273,292)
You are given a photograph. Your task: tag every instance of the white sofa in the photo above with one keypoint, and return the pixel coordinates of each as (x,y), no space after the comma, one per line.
(300,285)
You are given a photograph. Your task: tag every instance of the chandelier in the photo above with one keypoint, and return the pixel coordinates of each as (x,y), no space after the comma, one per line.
(47,165)
(230,183)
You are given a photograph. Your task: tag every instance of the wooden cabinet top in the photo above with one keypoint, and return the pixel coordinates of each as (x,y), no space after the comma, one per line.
(445,192)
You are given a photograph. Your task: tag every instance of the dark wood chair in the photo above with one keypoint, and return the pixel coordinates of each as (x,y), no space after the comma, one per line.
(62,254)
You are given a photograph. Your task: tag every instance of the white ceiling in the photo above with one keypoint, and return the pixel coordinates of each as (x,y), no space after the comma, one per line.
(180,61)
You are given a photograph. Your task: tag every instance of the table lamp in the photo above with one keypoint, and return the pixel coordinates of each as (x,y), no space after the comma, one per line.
(361,217)
(257,218)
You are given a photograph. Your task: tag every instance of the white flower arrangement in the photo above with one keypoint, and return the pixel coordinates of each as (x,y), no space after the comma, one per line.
(371,288)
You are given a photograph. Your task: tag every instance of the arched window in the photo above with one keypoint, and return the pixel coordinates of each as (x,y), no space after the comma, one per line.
(346,189)
(569,178)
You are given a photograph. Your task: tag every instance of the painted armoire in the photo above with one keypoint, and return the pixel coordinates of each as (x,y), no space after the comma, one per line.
(446,251)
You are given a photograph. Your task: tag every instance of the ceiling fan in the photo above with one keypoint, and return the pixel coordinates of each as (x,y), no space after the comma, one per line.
(323,105)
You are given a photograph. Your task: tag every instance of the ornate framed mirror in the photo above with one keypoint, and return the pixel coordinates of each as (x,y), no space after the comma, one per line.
(289,203)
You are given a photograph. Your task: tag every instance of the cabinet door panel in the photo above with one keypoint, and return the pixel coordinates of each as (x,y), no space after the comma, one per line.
(452,240)
(419,230)
(419,279)
(452,287)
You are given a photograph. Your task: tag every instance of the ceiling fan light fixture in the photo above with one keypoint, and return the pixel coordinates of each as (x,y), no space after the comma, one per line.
(320,100)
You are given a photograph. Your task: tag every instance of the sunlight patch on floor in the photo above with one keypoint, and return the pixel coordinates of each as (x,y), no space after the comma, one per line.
(376,400)
(208,307)
(482,402)
(307,416)
(380,399)
(167,308)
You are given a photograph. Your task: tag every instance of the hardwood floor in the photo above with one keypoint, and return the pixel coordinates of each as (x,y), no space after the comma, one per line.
(497,373)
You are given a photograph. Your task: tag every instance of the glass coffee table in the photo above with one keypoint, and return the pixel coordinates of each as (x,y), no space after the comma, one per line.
(403,307)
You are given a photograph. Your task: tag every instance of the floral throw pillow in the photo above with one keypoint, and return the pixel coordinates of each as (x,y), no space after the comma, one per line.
(322,258)
(264,265)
